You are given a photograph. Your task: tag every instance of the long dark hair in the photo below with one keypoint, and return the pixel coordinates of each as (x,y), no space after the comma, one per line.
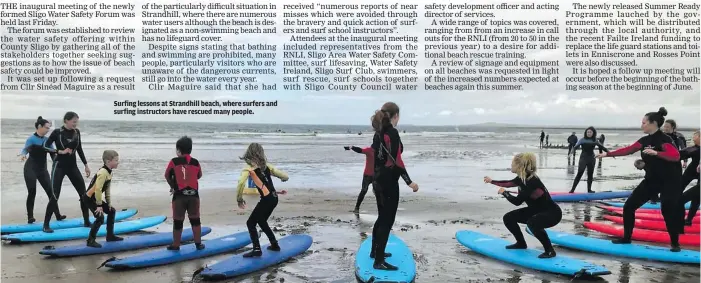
(593,133)
(383,117)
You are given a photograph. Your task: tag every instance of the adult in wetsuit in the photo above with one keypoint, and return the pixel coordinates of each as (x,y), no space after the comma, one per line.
(602,139)
(571,142)
(367,173)
(691,173)
(670,128)
(661,176)
(587,159)
(541,211)
(542,137)
(262,174)
(389,167)
(35,170)
(67,141)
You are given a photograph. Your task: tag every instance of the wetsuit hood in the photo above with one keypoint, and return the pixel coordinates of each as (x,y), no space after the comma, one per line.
(593,133)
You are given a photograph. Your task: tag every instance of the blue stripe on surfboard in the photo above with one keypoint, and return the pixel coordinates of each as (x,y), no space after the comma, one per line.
(290,246)
(495,248)
(401,257)
(163,256)
(602,246)
(590,196)
(646,206)
(82,232)
(129,243)
(63,224)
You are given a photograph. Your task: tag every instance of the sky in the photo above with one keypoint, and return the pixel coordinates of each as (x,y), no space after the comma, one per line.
(537,104)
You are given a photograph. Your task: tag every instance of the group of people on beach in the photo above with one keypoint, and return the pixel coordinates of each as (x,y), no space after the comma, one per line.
(384,167)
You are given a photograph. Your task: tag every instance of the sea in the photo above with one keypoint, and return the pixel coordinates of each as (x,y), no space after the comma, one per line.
(444,160)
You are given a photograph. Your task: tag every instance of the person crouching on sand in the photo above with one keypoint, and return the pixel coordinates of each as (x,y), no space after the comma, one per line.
(541,211)
(261,173)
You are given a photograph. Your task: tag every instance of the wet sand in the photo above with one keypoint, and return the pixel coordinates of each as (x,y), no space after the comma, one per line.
(427,224)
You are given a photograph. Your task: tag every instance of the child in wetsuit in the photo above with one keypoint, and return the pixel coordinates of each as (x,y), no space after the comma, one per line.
(261,172)
(99,186)
(542,212)
(183,174)
(368,173)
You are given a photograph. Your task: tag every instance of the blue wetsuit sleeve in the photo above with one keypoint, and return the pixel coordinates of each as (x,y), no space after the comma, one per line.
(25,149)
(601,146)
(579,144)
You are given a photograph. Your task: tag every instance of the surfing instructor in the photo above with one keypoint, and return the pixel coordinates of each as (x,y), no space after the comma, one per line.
(661,158)
(389,167)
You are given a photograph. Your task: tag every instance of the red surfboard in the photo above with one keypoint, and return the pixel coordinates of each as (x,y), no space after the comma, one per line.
(643,235)
(619,210)
(653,224)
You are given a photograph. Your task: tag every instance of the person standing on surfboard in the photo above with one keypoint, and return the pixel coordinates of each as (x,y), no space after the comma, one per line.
(261,172)
(182,174)
(367,173)
(67,141)
(586,158)
(541,211)
(35,170)
(99,186)
(389,167)
(662,176)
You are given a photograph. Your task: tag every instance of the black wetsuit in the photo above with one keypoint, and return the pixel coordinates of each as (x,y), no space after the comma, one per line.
(367,173)
(661,176)
(541,211)
(571,142)
(692,194)
(602,139)
(542,137)
(262,211)
(65,165)
(389,167)
(35,170)
(587,160)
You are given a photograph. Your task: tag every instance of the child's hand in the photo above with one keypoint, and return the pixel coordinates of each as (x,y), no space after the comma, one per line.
(242,204)
(501,190)
(285,180)
(283,192)
(487,179)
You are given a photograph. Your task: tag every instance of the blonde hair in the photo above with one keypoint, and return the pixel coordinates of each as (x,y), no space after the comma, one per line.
(525,165)
(255,155)
(109,155)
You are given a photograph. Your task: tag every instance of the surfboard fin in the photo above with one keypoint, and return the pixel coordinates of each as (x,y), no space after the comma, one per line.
(582,272)
(106,261)
(198,271)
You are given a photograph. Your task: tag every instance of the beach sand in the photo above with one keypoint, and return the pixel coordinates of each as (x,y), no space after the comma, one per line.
(427,224)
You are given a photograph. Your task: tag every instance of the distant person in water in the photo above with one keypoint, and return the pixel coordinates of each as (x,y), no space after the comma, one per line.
(35,170)
(99,200)
(541,211)
(258,168)
(182,174)
(542,138)
(571,142)
(660,157)
(547,140)
(389,167)
(602,139)
(68,142)
(587,158)
(367,173)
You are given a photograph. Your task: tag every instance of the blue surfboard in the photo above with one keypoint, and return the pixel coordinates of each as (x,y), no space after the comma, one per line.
(129,243)
(401,257)
(290,246)
(63,224)
(601,246)
(187,252)
(83,232)
(495,248)
(590,196)
(647,205)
